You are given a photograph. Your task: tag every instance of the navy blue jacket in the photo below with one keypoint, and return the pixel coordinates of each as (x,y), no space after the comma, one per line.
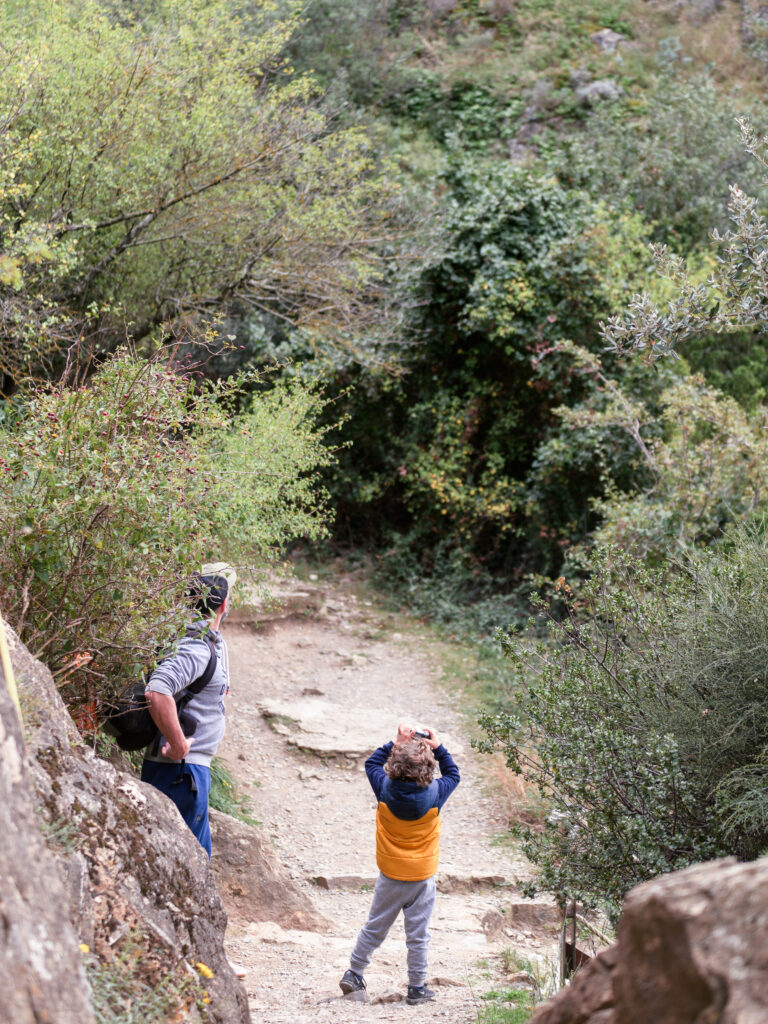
(407,800)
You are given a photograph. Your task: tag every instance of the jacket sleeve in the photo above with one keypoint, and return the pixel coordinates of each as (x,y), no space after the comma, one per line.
(449,775)
(185,666)
(374,767)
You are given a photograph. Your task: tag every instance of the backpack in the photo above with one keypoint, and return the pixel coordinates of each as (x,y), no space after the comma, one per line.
(128,719)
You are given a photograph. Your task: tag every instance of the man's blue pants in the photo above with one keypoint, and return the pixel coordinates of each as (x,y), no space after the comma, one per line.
(189,790)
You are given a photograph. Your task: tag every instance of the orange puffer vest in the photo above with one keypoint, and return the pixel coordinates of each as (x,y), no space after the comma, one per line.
(407,851)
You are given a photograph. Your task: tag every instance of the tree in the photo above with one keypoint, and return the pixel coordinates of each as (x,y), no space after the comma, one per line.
(699,457)
(446,456)
(172,164)
(733,298)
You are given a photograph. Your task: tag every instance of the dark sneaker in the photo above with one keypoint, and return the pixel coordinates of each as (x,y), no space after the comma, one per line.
(419,994)
(351,982)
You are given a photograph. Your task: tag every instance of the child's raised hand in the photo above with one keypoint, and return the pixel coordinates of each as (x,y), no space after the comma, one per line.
(404,733)
(434,739)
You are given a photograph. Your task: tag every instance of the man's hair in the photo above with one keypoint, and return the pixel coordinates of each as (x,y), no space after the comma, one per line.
(208,592)
(411,762)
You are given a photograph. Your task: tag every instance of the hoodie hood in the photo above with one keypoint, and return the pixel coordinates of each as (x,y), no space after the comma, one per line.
(408,800)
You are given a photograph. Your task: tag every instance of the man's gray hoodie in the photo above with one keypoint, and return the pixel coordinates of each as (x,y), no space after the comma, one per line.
(205,709)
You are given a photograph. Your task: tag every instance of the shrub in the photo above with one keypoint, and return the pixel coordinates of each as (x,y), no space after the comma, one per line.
(671,152)
(114,492)
(642,718)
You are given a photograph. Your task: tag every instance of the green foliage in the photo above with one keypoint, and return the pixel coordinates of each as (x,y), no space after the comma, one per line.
(641,718)
(343,43)
(467,110)
(705,463)
(161,166)
(115,491)
(731,300)
(139,986)
(755,29)
(671,151)
(508,1006)
(453,454)
(61,834)
(224,795)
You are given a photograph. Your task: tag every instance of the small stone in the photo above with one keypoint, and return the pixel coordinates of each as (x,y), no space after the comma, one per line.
(521,978)
(390,996)
(360,996)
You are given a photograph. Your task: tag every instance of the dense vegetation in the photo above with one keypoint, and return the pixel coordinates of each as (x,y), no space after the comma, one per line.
(384,271)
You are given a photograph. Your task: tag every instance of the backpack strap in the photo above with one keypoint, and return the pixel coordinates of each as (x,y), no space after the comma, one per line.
(202,681)
(195,687)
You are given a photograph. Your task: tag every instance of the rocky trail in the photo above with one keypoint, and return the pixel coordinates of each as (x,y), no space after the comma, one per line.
(313,693)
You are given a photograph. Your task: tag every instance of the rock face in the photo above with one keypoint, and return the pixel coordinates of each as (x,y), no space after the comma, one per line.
(253,879)
(41,964)
(692,948)
(139,888)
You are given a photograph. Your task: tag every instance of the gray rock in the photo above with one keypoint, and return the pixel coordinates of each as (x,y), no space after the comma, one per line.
(692,946)
(493,924)
(518,152)
(607,40)
(588,999)
(360,996)
(539,913)
(603,89)
(131,863)
(279,599)
(39,958)
(578,78)
(250,874)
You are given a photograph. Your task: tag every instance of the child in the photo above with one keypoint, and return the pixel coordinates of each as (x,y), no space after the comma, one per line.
(407,849)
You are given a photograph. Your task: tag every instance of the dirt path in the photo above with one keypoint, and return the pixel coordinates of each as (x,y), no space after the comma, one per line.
(311,697)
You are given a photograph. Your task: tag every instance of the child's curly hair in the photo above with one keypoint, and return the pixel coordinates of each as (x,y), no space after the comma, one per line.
(411,762)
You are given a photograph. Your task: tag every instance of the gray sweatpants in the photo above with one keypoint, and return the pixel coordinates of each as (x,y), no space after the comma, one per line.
(416,900)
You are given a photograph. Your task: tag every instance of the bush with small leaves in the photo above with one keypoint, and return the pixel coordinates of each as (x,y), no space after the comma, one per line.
(642,719)
(114,492)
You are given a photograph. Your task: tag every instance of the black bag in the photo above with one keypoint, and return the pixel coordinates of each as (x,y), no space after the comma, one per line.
(128,718)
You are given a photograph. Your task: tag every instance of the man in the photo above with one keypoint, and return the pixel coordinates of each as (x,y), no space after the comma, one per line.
(178,762)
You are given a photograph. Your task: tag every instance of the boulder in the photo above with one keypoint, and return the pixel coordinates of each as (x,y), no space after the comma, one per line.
(39,955)
(692,947)
(607,40)
(252,879)
(588,999)
(133,883)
